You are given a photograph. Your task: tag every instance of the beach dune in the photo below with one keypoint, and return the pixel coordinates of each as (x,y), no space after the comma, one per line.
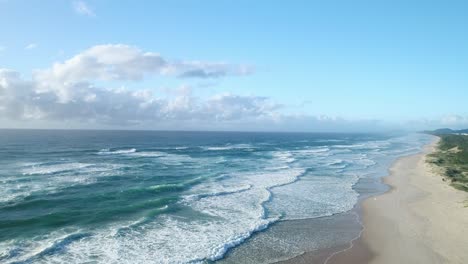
(420,220)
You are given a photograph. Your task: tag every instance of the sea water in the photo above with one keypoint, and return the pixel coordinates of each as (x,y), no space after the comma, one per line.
(69,196)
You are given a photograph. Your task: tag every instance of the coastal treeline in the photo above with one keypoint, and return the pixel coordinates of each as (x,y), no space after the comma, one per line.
(452,157)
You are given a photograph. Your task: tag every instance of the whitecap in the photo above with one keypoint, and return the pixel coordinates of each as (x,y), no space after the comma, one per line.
(116,152)
(229,147)
(147,154)
(54,168)
(284,156)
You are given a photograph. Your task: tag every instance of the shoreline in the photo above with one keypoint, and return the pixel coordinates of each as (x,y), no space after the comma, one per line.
(315,240)
(370,187)
(341,229)
(376,212)
(420,219)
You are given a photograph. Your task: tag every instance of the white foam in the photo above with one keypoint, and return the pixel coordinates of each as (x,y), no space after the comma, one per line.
(314,196)
(147,154)
(180,148)
(162,157)
(229,147)
(316,150)
(351,146)
(219,191)
(368,145)
(46,177)
(365,162)
(175,159)
(232,214)
(31,249)
(54,168)
(312,152)
(116,152)
(329,140)
(227,210)
(284,156)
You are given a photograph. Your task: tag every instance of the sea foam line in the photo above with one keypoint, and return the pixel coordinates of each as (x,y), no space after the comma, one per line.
(221,250)
(116,152)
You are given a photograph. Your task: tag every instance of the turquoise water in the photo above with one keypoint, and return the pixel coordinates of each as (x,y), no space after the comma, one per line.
(172,197)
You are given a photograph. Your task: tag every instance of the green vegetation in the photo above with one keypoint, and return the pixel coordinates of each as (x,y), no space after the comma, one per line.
(452,157)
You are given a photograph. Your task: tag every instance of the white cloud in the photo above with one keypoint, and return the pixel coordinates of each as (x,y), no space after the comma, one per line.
(83,8)
(27,100)
(2,48)
(23,100)
(30,46)
(198,69)
(76,90)
(122,62)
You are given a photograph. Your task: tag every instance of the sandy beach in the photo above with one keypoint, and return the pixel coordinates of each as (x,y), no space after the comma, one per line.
(421,219)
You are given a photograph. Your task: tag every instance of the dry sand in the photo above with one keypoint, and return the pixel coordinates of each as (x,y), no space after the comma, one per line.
(420,220)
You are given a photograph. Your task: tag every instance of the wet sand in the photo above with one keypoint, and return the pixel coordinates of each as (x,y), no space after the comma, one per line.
(411,217)
(311,240)
(285,239)
(420,220)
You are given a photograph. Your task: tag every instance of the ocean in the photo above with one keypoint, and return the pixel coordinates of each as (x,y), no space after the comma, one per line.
(82,196)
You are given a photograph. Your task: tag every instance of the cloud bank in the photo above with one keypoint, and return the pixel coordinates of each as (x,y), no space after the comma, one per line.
(67,91)
(87,105)
(22,99)
(454,121)
(122,62)
(78,91)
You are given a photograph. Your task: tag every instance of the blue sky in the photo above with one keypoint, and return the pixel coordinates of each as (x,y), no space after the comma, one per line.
(350,63)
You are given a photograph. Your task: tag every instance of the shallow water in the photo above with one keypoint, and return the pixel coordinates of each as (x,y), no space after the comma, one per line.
(172,197)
